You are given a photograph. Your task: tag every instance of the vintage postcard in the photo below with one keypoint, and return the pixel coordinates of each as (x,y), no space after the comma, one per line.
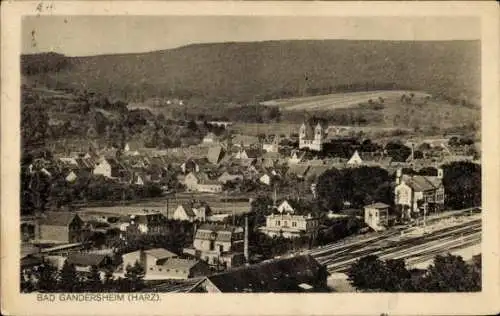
(237,158)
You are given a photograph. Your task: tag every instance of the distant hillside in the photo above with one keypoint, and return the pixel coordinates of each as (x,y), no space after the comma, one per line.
(258,71)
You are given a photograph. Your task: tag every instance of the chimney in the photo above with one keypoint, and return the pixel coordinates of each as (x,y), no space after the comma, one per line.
(245,245)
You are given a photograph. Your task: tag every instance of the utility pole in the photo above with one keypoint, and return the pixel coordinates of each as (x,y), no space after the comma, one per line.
(275,196)
(245,245)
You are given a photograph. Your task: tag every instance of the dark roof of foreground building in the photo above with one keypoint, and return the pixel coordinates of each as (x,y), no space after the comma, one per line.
(422,183)
(87,259)
(279,275)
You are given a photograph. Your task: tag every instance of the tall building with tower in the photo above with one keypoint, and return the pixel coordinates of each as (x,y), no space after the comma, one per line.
(311,138)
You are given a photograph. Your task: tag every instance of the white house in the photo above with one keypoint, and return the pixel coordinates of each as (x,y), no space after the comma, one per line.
(71,177)
(161,264)
(199,182)
(210,138)
(226,177)
(290,226)
(191,212)
(355,159)
(377,216)
(271,145)
(108,167)
(266,179)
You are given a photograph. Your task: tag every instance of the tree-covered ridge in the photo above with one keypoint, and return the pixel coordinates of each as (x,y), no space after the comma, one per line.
(245,72)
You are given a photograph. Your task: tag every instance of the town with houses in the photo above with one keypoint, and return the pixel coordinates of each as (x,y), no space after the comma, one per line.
(212,194)
(268,165)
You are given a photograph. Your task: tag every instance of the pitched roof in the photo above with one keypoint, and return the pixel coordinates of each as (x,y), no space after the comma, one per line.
(179,263)
(215,154)
(114,163)
(422,183)
(86,259)
(245,139)
(298,170)
(378,205)
(253,153)
(223,232)
(210,135)
(160,253)
(282,275)
(355,157)
(271,155)
(188,208)
(57,218)
(315,171)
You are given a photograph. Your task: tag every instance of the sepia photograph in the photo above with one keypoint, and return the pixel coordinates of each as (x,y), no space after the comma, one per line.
(237,153)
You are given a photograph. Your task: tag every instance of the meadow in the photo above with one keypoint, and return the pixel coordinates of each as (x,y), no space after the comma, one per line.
(340,100)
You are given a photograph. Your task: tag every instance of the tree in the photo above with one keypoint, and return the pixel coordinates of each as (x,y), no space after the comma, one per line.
(192,126)
(94,282)
(134,275)
(68,279)
(396,276)
(450,273)
(108,281)
(359,186)
(367,273)
(462,184)
(47,277)
(27,284)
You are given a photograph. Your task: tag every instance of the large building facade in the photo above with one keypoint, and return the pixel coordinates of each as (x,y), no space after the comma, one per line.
(285,222)
(418,195)
(220,246)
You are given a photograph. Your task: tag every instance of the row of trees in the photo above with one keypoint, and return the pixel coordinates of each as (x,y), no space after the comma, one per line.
(40,191)
(365,185)
(359,186)
(448,273)
(48,279)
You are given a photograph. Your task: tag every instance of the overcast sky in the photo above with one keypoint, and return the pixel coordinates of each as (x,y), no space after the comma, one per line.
(94,35)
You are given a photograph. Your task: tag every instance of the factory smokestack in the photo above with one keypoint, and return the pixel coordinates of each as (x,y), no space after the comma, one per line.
(245,245)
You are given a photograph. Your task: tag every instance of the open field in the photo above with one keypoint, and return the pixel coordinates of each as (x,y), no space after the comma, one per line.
(168,208)
(255,129)
(339,100)
(287,129)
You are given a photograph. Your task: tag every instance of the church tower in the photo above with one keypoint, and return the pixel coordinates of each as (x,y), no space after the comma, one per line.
(318,137)
(302,134)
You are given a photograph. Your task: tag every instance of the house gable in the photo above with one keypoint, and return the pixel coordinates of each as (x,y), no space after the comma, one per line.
(285,207)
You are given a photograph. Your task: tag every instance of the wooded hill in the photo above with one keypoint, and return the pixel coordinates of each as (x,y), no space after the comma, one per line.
(247,72)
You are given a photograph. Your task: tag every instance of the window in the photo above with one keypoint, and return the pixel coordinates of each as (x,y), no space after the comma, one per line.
(285,224)
(294,224)
(150,269)
(278,223)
